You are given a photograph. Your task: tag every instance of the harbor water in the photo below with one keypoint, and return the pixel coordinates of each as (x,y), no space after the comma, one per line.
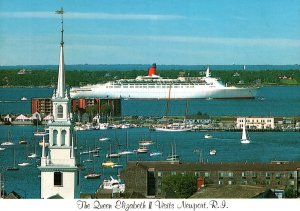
(190,146)
(270,101)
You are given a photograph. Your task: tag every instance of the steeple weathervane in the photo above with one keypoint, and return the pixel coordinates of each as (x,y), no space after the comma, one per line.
(61,74)
(61,12)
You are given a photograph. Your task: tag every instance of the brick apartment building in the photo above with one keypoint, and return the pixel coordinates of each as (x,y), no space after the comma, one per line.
(146,177)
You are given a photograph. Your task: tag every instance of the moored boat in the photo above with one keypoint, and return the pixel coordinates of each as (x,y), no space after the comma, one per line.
(112,183)
(245,138)
(92,176)
(213,152)
(208,136)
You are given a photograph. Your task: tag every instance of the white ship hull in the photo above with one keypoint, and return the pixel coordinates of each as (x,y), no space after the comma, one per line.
(196,92)
(155,87)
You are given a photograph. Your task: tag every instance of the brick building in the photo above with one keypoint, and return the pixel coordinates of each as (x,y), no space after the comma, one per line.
(146,177)
(44,105)
(41,105)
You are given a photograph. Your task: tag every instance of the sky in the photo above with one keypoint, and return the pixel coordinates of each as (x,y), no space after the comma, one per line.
(181,32)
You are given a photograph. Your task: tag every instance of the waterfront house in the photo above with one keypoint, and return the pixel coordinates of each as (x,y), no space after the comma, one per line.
(256,122)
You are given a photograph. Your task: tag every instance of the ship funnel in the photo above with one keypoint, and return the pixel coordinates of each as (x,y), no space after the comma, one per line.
(207,75)
(152,70)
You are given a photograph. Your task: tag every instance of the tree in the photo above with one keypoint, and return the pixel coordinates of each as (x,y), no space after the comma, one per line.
(290,192)
(180,185)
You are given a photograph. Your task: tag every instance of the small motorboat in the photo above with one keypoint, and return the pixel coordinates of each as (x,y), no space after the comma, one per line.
(7,143)
(213,152)
(208,136)
(108,164)
(92,176)
(33,155)
(141,150)
(24,164)
(22,141)
(104,139)
(23,98)
(155,153)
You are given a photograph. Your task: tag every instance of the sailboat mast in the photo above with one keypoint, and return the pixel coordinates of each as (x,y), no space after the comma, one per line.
(186,111)
(168,105)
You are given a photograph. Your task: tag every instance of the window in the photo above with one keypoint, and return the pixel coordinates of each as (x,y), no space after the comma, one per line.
(291,175)
(58,179)
(63,137)
(243,174)
(60,111)
(206,174)
(55,134)
(159,173)
(221,175)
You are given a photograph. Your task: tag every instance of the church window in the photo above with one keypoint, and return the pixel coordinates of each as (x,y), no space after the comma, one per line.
(55,134)
(60,111)
(58,179)
(63,137)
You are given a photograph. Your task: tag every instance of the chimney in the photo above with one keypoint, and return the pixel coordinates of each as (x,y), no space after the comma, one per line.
(152,70)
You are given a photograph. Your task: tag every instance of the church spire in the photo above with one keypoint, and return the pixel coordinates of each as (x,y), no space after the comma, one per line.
(60,92)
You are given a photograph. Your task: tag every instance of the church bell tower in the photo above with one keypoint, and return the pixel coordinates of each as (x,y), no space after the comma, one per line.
(59,163)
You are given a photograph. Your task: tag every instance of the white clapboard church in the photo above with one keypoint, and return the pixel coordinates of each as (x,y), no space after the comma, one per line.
(59,169)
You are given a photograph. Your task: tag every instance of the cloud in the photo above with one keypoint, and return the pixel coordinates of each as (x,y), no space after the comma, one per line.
(103,16)
(270,42)
(244,42)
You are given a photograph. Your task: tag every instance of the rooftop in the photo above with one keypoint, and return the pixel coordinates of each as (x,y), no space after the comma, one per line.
(238,166)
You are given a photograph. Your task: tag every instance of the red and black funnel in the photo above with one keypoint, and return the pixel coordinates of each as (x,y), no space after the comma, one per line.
(152,70)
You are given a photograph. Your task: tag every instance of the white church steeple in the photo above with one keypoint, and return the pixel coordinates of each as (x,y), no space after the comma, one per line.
(59,164)
(60,92)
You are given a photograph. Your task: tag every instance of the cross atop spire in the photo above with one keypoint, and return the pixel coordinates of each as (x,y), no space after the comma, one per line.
(61,73)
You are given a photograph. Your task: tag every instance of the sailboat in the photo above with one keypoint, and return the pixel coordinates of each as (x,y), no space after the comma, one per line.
(126,151)
(8,142)
(25,163)
(92,174)
(89,158)
(33,154)
(102,136)
(22,138)
(14,167)
(156,152)
(173,157)
(168,128)
(109,162)
(37,132)
(245,139)
(112,155)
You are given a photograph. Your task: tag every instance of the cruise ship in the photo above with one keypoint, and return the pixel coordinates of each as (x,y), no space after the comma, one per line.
(153,86)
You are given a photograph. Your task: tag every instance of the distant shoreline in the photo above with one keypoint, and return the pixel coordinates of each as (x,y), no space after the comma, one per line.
(12,78)
(128,67)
